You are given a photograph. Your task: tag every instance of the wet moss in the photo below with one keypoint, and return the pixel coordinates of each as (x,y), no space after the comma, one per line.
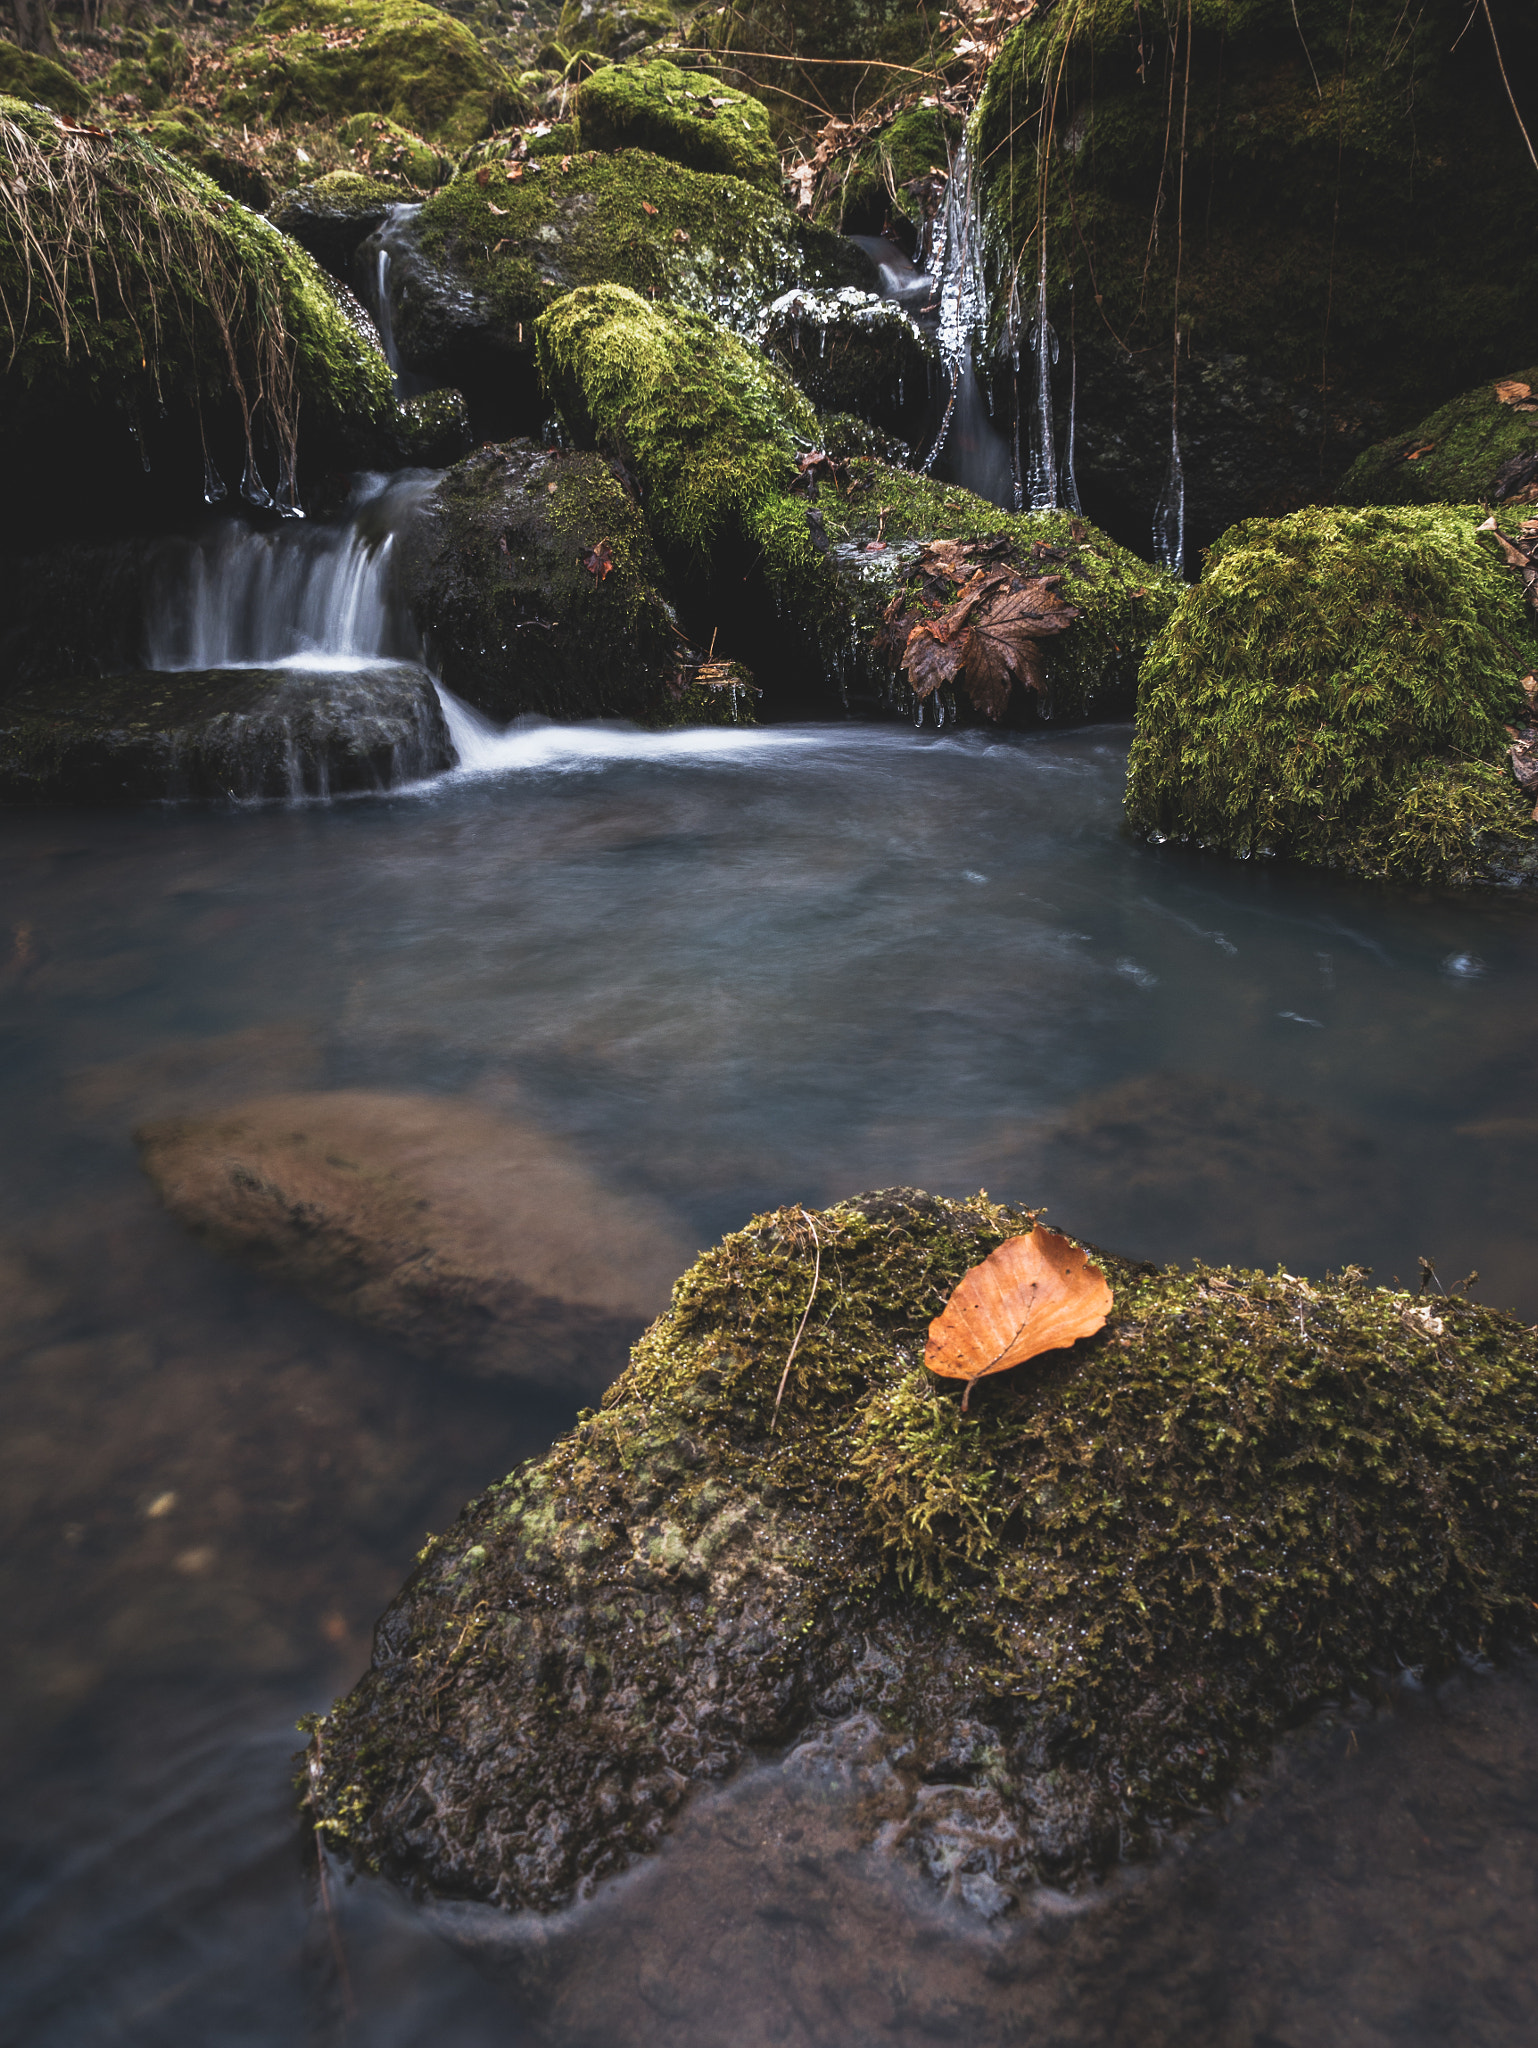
(309,59)
(1337,687)
(612,31)
(651,104)
(1118,1575)
(383,148)
(39,80)
(1455,455)
(183,132)
(919,140)
(712,244)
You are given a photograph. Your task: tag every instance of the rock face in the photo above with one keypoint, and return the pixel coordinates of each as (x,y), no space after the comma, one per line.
(1338,273)
(243,733)
(1049,1625)
(1481,447)
(464,1236)
(536,583)
(332,216)
(1338,687)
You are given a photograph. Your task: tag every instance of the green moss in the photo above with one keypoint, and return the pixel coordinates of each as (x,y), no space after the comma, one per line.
(25,76)
(157,75)
(384,149)
(710,429)
(712,244)
(192,303)
(309,59)
(914,143)
(1127,1566)
(1453,457)
(558,139)
(183,132)
(1378,228)
(1092,669)
(1336,688)
(651,104)
(612,31)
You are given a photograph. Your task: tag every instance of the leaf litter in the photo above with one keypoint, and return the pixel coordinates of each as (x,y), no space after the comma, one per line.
(1036,1293)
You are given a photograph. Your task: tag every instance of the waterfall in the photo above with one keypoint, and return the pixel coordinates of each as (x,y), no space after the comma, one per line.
(244,596)
(975,453)
(374,275)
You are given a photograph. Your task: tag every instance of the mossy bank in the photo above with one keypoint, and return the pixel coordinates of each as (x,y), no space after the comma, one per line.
(1337,687)
(1074,1614)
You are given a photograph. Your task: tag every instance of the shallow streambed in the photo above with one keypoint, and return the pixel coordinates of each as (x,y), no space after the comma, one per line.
(734,970)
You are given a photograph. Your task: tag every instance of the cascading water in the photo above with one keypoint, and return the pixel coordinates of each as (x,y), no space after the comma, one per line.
(375,265)
(968,448)
(1041,473)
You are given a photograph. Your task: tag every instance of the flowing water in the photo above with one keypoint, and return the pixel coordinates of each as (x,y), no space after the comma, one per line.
(729,969)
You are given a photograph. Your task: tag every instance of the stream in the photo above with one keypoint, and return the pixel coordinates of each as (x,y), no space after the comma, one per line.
(729,968)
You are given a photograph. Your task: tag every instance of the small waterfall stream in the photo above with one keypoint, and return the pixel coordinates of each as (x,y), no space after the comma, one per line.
(968,447)
(374,274)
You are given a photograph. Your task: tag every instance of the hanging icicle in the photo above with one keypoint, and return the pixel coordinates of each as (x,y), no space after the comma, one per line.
(1169,522)
(1041,488)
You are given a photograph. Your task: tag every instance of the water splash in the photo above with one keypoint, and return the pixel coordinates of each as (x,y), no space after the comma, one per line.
(535,744)
(374,274)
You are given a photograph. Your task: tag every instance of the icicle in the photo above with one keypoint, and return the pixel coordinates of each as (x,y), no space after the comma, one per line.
(1169,524)
(286,497)
(215,489)
(252,489)
(1041,463)
(1070,478)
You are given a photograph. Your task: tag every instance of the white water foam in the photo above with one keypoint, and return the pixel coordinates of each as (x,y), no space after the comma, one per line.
(536,745)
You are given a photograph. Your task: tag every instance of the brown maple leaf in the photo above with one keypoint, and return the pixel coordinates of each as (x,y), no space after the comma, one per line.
(1036,1293)
(1005,641)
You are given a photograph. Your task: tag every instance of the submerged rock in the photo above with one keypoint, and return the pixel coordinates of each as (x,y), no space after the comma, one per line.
(1338,687)
(240,732)
(458,1233)
(1480,447)
(1050,1626)
(535,580)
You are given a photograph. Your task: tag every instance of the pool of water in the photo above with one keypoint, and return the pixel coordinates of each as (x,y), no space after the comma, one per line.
(730,970)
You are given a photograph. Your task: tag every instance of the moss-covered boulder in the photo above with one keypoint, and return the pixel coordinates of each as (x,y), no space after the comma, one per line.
(683,115)
(383,149)
(487,254)
(160,69)
(324,59)
(1483,445)
(1337,687)
(334,214)
(879,189)
(534,578)
(852,351)
(1357,235)
(615,32)
(26,76)
(152,321)
(184,132)
(241,733)
(1061,1620)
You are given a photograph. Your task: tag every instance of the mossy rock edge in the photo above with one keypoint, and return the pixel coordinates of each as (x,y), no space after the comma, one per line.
(1069,1617)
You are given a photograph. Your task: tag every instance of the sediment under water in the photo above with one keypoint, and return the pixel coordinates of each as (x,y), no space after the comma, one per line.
(732,969)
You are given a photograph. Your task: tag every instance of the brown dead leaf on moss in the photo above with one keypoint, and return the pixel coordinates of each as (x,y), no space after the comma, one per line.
(989,637)
(599,560)
(1036,1293)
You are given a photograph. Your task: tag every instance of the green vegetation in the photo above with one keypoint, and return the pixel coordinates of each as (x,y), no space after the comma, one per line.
(1454,456)
(382,148)
(918,141)
(155,76)
(183,132)
(1359,206)
(612,31)
(312,59)
(683,115)
(24,76)
(1124,1569)
(128,281)
(1336,688)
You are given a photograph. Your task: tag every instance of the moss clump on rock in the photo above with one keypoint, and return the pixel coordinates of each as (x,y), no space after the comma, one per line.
(26,76)
(183,132)
(613,32)
(1336,688)
(1469,450)
(536,581)
(314,59)
(138,294)
(653,105)
(382,148)
(1075,1613)
(1359,209)
(918,142)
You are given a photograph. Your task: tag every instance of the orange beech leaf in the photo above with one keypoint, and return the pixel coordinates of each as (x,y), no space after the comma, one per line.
(1035,1293)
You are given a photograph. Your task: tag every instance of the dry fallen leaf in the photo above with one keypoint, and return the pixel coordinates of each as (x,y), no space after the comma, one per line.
(598,561)
(492,207)
(1512,390)
(483,176)
(1036,1293)
(647,207)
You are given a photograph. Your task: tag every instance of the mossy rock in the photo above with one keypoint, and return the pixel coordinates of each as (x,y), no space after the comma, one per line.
(1481,446)
(917,141)
(1063,1619)
(334,214)
(1360,211)
(653,105)
(201,313)
(26,76)
(320,59)
(537,585)
(483,261)
(239,733)
(156,75)
(544,139)
(1337,688)
(435,429)
(183,132)
(383,149)
(613,32)
(852,351)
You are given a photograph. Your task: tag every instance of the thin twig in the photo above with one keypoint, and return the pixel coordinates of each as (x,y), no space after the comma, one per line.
(1507,83)
(801,1329)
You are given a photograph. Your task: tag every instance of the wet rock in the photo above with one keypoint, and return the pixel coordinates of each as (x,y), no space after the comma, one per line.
(331,217)
(1338,688)
(472,270)
(463,1235)
(435,429)
(1032,1635)
(534,577)
(853,352)
(243,733)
